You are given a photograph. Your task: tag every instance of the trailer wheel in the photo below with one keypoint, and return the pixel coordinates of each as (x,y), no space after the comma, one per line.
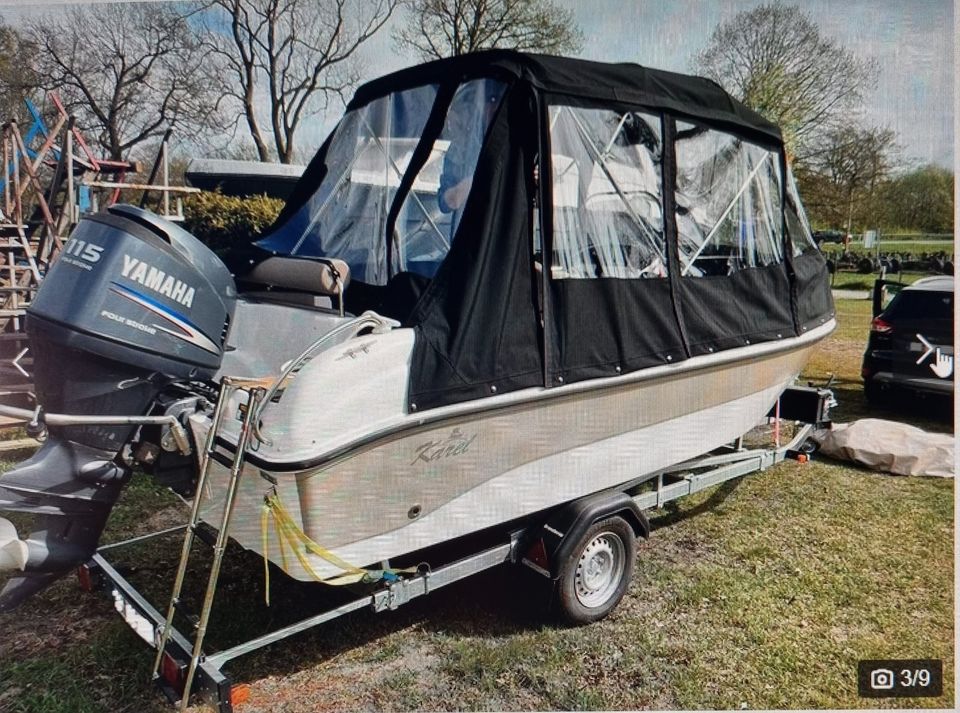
(595,576)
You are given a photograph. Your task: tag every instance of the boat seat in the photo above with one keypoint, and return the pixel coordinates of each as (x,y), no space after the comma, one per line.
(300,299)
(396,299)
(324,276)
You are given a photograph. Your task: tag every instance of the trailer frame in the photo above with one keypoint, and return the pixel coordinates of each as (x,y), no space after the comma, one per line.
(210,678)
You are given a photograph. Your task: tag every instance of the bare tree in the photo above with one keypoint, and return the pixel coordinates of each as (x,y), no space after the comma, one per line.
(775,59)
(17,80)
(445,28)
(127,71)
(840,182)
(283,58)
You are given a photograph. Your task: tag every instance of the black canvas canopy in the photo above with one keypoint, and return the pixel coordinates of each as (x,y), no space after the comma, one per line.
(541,220)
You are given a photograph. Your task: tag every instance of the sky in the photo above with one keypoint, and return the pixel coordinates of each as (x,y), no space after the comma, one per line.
(911,41)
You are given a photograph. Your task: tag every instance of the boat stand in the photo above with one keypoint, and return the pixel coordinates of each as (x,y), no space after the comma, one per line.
(181,667)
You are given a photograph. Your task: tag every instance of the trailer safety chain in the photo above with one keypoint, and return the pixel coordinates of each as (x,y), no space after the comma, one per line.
(290,535)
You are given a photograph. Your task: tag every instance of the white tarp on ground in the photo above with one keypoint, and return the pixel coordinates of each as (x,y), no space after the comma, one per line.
(889,446)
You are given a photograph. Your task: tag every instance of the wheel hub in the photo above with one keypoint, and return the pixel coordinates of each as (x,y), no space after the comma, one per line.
(599,570)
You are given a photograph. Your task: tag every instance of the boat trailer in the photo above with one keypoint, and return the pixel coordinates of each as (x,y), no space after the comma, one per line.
(181,666)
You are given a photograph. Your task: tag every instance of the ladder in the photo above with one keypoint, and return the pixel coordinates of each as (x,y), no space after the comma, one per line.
(21,272)
(26,243)
(255,390)
(19,279)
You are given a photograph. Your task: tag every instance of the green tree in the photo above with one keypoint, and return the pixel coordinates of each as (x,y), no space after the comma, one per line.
(839,183)
(775,59)
(445,28)
(920,200)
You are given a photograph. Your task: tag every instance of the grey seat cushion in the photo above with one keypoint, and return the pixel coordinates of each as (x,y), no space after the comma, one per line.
(302,274)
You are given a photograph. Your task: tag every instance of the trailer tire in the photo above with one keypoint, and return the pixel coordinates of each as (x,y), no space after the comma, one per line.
(594,578)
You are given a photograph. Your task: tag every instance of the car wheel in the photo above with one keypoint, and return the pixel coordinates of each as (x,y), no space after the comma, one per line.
(872,392)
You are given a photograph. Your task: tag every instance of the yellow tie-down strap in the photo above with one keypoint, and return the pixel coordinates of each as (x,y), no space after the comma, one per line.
(289,534)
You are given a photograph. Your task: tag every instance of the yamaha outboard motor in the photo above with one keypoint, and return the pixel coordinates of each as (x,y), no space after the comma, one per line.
(133,305)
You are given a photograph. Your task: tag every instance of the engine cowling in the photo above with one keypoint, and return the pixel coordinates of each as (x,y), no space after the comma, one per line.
(133,304)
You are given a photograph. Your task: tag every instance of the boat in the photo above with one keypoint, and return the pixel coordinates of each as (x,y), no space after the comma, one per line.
(505,282)
(243,178)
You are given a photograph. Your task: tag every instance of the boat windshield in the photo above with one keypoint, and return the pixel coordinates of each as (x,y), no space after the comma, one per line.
(367,158)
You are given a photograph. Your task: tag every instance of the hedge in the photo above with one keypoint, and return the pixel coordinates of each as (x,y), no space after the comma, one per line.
(220,221)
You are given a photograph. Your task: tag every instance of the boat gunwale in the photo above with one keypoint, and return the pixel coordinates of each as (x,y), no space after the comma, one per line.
(411,423)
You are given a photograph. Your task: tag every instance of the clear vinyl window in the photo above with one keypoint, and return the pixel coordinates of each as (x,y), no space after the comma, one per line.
(346,216)
(367,158)
(728,203)
(798,227)
(430,213)
(607,194)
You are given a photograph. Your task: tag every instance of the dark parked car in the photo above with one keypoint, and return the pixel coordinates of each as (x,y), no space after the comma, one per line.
(829,236)
(910,347)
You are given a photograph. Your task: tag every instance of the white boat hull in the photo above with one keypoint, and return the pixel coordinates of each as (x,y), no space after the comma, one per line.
(422,480)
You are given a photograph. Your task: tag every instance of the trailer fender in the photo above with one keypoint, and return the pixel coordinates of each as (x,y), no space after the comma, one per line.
(564,528)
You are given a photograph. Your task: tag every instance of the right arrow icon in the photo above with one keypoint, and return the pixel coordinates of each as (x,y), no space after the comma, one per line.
(927,353)
(942,364)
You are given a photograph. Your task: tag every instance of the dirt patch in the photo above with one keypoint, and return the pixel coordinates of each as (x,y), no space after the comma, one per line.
(171,516)
(31,630)
(342,684)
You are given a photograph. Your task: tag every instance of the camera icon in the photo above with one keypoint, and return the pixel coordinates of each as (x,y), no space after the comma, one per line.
(881,679)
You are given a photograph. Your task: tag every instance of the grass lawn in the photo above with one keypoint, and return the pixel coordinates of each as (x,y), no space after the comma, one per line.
(896,246)
(760,593)
(844,280)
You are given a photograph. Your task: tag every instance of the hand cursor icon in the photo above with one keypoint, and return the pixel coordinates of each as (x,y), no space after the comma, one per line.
(943,366)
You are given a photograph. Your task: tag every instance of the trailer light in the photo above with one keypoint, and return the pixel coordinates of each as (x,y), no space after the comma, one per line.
(173,672)
(86,578)
(880,327)
(536,558)
(239,694)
